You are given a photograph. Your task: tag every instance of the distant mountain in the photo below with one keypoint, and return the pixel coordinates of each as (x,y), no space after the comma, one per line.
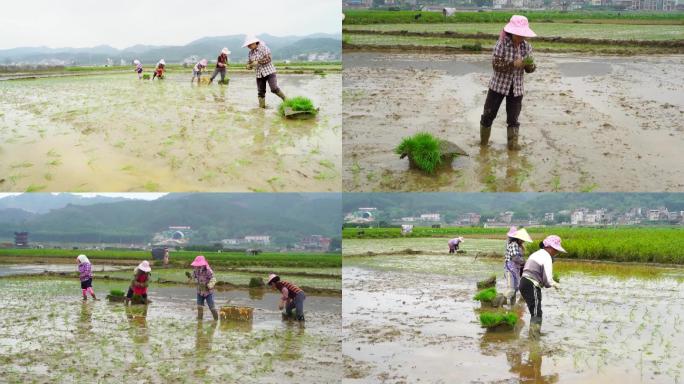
(45,202)
(285,217)
(283,48)
(11,216)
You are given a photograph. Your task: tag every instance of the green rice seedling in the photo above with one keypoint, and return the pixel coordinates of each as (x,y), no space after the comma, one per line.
(477,47)
(528,60)
(493,319)
(146,76)
(116,293)
(556,278)
(485,295)
(487,283)
(423,150)
(298,104)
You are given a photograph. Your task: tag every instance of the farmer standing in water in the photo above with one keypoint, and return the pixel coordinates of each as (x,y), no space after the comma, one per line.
(514,261)
(507,82)
(538,273)
(259,59)
(454,244)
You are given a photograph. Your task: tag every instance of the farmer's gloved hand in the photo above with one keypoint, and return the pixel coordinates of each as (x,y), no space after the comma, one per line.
(518,63)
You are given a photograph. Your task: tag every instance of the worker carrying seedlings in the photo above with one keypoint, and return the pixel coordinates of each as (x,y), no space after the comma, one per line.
(160,69)
(85,274)
(141,279)
(454,244)
(259,59)
(138,68)
(204,276)
(514,261)
(292,296)
(509,52)
(538,273)
(221,65)
(197,70)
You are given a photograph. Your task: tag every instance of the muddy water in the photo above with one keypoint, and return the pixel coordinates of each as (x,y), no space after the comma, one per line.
(411,318)
(60,338)
(36,269)
(588,123)
(115,133)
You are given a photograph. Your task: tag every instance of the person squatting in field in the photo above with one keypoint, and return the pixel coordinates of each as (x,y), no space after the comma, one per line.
(197,70)
(85,274)
(259,59)
(204,277)
(514,261)
(221,65)
(538,274)
(138,68)
(509,52)
(292,296)
(159,69)
(140,282)
(454,244)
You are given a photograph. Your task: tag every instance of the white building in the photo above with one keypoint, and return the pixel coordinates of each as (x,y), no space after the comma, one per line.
(259,239)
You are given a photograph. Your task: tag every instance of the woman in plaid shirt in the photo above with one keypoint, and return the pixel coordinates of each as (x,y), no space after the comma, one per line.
(260,59)
(507,82)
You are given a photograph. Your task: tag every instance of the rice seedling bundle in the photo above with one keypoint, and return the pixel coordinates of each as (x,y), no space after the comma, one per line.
(423,150)
(485,295)
(297,105)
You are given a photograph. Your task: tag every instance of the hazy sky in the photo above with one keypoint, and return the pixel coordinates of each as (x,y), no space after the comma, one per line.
(123,23)
(139,196)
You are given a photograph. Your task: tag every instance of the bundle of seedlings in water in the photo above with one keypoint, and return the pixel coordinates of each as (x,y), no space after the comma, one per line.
(298,108)
(235,313)
(477,47)
(146,76)
(556,278)
(116,295)
(225,81)
(256,282)
(497,321)
(486,283)
(485,295)
(427,152)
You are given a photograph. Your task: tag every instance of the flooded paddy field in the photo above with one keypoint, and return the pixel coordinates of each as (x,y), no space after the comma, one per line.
(49,334)
(588,123)
(114,132)
(411,318)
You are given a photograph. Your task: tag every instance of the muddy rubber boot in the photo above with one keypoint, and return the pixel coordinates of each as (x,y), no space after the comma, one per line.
(513,138)
(214,313)
(511,300)
(200,313)
(262,102)
(485,132)
(535,327)
(281,94)
(300,318)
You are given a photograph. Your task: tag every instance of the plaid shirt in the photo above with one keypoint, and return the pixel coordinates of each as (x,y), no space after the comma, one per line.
(85,271)
(261,57)
(505,53)
(514,257)
(203,276)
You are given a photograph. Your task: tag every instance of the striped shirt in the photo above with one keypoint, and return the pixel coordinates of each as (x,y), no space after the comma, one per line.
(505,75)
(260,57)
(288,290)
(85,271)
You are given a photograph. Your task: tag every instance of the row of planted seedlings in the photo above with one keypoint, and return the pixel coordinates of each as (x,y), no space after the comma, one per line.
(493,317)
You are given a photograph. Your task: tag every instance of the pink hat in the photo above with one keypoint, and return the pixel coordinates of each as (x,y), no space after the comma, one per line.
(511,231)
(204,62)
(272,277)
(145,266)
(554,242)
(518,25)
(199,261)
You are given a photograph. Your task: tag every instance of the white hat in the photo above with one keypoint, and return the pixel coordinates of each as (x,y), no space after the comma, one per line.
(136,62)
(272,277)
(83,259)
(225,51)
(250,40)
(162,62)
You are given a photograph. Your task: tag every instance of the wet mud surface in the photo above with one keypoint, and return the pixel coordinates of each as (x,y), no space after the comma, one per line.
(115,133)
(58,337)
(411,318)
(587,123)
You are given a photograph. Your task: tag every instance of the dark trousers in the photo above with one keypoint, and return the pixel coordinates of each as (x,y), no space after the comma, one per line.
(129,294)
(532,295)
(492,104)
(222,71)
(298,304)
(272,83)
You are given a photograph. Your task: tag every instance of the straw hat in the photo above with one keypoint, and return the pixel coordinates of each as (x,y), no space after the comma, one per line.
(145,266)
(272,278)
(225,51)
(518,25)
(250,40)
(554,242)
(521,234)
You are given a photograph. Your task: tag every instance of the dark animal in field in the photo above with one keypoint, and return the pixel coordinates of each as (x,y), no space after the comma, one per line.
(418,16)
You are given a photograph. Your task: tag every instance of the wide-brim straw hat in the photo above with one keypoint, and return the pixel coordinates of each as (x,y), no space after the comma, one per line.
(136,62)
(250,40)
(521,234)
(204,62)
(518,25)
(145,266)
(272,277)
(225,51)
(162,62)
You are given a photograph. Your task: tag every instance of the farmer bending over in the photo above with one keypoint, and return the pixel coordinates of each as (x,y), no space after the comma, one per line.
(292,296)
(260,59)
(204,276)
(85,274)
(514,261)
(160,69)
(538,273)
(507,82)
(138,68)
(141,279)
(454,244)
(197,70)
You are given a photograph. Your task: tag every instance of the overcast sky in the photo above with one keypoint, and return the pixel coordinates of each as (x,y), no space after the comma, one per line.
(123,23)
(138,196)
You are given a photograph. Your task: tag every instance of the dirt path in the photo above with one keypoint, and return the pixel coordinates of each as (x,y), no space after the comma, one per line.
(587,124)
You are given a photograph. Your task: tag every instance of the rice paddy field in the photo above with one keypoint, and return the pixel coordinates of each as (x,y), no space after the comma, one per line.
(112,132)
(59,337)
(412,318)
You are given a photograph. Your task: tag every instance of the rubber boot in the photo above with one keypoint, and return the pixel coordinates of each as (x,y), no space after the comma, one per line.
(262,102)
(281,94)
(513,138)
(214,313)
(511,300)
(300,318)
(485,132)
(535,327)
(200,313)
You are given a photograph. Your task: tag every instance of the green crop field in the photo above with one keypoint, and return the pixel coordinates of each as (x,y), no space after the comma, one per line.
(405,17)
(225,259)
(644,244)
